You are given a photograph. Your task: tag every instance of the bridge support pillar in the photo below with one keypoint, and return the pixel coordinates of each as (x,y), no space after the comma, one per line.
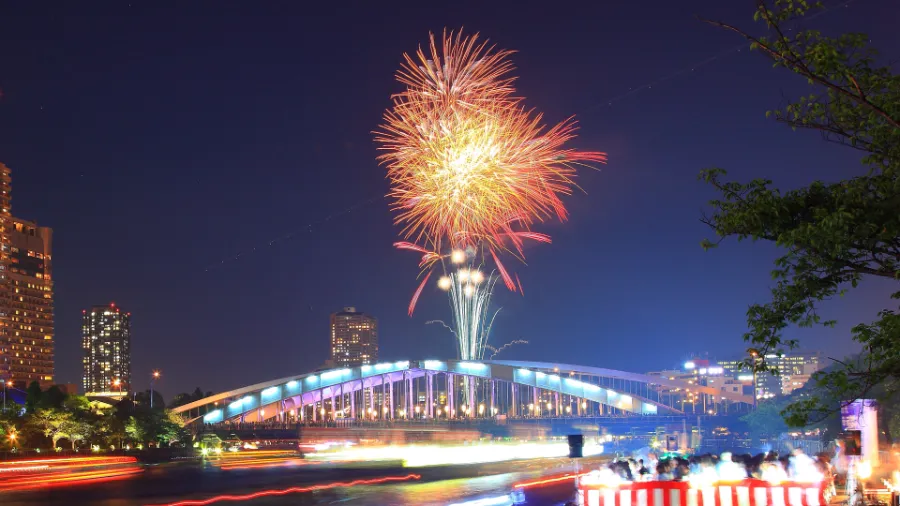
(471,403)
(450,390)
(409,397)
(514,399)
(429,398)
(490,408)
(391,399)
(353,403)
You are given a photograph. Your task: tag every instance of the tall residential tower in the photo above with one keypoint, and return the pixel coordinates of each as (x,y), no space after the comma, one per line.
(26,296)
(106,341)
(354,338)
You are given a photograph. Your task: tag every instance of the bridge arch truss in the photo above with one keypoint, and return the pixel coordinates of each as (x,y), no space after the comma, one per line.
(442,389)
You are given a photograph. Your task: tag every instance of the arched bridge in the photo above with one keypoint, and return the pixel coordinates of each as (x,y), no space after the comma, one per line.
(451,389)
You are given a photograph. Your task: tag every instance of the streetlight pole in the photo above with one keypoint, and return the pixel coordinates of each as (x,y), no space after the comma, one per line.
(154,377)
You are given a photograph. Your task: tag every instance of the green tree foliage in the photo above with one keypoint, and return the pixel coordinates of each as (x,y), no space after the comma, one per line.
(833,234)
(766,420)
(52,423)
(156,427)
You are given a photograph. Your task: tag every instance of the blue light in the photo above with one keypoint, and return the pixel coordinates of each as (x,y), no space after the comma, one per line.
(524,371)
(433,364)
(333,374)
(292,384)
(539,374)
(554,377)
(472,365)
(312,379)
(247,400)
(500,500)
(212,414)
(270,391)
(236,404)
(402,364)
(383,366)
(366,368)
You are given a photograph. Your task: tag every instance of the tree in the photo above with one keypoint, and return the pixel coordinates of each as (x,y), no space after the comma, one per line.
(833,234)
(766,420)
(144,399)
(52,398)
(186,398)
(51,423)
(33,397)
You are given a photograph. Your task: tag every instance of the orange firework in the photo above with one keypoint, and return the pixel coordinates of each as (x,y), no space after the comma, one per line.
(470,166)
(467,163)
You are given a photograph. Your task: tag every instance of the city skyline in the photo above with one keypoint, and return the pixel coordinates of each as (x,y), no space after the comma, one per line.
(204,230)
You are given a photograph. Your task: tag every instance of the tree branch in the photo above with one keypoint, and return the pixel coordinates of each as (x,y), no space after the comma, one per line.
(804,71)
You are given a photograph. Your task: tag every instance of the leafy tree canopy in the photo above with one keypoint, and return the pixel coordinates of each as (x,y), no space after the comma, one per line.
(833,234)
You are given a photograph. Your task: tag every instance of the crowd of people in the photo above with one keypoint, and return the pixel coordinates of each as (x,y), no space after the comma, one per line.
(771,467)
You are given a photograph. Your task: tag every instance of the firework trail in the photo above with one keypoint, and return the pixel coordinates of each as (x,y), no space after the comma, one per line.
(496,351)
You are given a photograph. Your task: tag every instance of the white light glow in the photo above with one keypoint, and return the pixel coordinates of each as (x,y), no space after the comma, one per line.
(444,283)
(432,455)
(690,365)
(457,256)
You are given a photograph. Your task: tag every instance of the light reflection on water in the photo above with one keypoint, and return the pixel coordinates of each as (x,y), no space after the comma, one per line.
(436,493)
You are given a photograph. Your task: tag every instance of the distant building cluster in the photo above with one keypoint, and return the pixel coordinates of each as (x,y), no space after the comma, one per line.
(794,371)
(26,296)
(106,342)
(727,376)
(354,338)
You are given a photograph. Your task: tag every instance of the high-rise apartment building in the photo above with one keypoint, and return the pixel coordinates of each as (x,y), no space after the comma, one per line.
(354,338)
(794,370)
(26,295)
(106,341)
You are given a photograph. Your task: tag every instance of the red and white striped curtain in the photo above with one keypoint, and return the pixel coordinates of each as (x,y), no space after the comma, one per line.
(679,493)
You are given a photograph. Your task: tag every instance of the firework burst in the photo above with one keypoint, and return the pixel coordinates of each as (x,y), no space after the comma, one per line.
(468,164)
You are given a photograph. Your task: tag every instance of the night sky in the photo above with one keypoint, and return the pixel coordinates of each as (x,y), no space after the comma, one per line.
(161,139)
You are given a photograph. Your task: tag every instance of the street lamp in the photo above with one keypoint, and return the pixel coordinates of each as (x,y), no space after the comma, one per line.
(153,378)
(117,383)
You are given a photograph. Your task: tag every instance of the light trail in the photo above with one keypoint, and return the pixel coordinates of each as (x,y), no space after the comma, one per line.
(72,460)
(293,490)
(548,481)
(64,479)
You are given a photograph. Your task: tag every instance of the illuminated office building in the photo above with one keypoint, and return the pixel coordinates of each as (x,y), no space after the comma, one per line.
(106,341)
(794,371)
(354,338)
